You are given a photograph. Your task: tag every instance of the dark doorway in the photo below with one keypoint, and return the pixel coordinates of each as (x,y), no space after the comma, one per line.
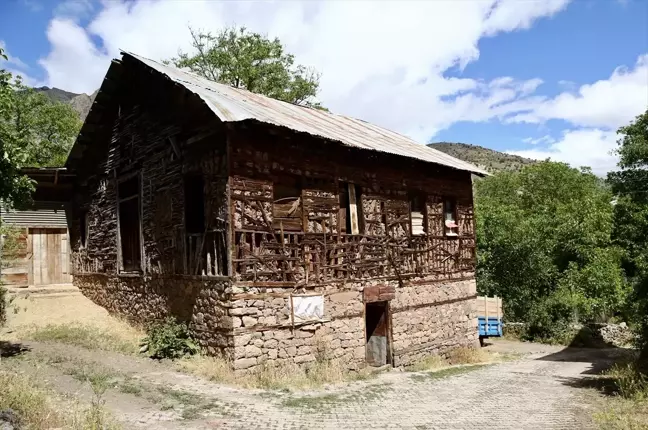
(377,332)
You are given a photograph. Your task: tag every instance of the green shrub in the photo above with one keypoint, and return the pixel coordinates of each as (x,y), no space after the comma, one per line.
(168,339)
(628,381)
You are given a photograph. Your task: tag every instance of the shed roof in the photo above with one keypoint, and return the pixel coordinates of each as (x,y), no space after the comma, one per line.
(233,105)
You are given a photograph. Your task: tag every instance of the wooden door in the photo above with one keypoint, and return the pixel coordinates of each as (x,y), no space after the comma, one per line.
(50,256)
(377,333)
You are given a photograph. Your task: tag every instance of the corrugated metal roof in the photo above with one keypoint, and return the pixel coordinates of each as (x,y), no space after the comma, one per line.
(44,214)
(232,105)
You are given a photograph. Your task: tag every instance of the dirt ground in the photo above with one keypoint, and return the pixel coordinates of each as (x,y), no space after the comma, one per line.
(541,389)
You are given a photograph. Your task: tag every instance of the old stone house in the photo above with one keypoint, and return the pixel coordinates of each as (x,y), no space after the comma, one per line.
(279,232)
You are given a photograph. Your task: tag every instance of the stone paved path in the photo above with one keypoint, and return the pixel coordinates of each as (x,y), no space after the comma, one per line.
(532,393)
(538,391)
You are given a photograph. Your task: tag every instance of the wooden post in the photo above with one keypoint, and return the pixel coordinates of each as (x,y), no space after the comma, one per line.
(353,210)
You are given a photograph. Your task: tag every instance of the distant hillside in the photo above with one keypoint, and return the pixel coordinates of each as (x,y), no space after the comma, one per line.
(81,103)
(487,159)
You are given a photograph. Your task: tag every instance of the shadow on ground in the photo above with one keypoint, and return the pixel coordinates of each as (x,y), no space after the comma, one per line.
(12,349)
(600,359)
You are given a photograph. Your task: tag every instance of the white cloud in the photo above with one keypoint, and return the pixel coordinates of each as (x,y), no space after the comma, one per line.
(583,147)
(12,60)
(595,111)
(372,55)
(73,9)
(384,62)
(608,103)
(74,58)
(16,67)
(546,139)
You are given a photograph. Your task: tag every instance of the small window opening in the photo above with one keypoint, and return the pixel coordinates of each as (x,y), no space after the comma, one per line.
(450,217)
(194,193)
(83,228)
(287,204)
(129,224)
(417,214)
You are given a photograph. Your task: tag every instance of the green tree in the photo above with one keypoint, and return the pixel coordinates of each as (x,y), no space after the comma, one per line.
(34,131)
(15,189)
(44,129)
(242,59)
(630,185)
(544,245)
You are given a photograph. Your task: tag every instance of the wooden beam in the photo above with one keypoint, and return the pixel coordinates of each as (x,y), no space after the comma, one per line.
(353,210)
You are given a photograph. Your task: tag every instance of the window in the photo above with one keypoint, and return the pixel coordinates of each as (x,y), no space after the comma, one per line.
(194,203)
(83,228)
(287,204)
(350,211)
(417,214)
(129,224)
(450,217)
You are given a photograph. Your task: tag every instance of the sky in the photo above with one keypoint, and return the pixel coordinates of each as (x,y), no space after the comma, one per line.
(542,79)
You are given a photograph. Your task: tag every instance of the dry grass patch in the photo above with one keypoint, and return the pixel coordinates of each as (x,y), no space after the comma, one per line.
(431,362)
(457,357)
(38,408)
(125,339)
(466,355)
(288,376)
(71,319)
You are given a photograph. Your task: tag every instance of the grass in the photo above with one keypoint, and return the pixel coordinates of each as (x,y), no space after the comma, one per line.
(274,377)
(38,408)
(430,362)
(623,414)
(71,319)
(331,400)
(626,405)
(469,356)
(459,356)
(86,336)
(445,373)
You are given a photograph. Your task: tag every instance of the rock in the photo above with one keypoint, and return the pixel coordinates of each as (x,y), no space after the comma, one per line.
(9,420)
(249,321)
(252,351)
(245,363)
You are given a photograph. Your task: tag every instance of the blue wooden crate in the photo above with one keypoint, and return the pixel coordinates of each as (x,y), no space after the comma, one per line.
(491,328)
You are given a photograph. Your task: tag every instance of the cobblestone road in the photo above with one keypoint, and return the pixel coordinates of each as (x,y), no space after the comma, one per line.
(536,392)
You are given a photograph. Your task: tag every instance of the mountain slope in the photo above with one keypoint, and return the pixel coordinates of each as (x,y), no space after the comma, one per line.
(81,103)
(488,159)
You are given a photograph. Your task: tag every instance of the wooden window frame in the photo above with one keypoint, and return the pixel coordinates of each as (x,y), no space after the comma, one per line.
(298,186)
(422,199)
(352,209)
(450,232)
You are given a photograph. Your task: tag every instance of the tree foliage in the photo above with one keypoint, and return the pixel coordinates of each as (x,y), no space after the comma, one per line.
(630,185)
(243,59)
(544,245)
(34,131)
(15,189)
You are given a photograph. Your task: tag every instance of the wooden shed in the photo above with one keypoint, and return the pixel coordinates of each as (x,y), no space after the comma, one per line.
(37,252)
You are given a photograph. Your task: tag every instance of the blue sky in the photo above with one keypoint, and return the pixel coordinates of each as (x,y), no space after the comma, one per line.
(543,79)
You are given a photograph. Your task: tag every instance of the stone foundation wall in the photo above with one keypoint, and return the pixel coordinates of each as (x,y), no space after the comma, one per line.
(340,335)
(426,319)
(198,301)
(432,319)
